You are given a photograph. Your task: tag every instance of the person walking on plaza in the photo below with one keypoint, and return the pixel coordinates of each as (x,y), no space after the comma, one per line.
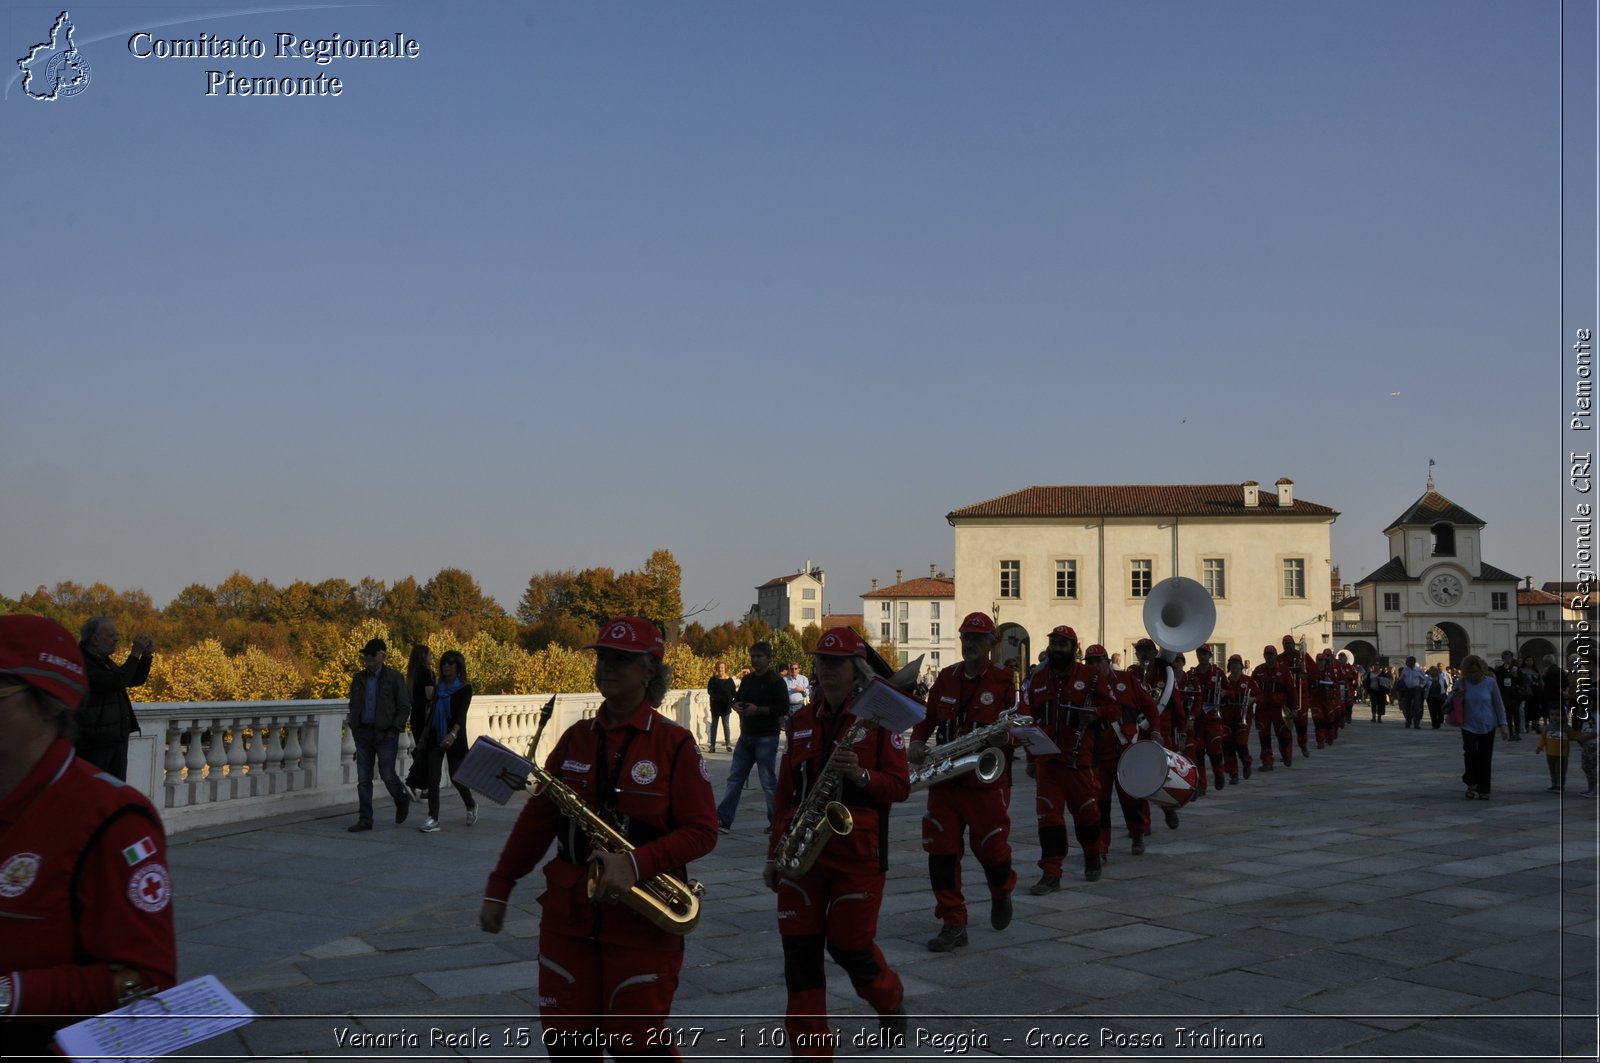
(1379,683)
(966,696)
(420,680)
(605,970)
(444,737)
(722,690)
(1483,713)
(1273,681)
(762,704)
(1413,689)
(380,707)
(85,895)
(1438,691)
(832,907)
(1240,696)
(106,717)
(1553,744)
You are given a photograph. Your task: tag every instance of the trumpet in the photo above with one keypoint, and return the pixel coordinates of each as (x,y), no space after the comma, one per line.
(970,753)
(668,902)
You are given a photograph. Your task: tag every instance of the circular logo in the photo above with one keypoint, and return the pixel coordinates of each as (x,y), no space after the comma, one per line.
(150,889)
(18,873)
(986,698)
(898,741)
(68,72)
(644,773)
(1122,686)
(1077,684)
(618,631)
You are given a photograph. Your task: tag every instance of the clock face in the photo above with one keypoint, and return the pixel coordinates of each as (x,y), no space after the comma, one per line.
(1444,589)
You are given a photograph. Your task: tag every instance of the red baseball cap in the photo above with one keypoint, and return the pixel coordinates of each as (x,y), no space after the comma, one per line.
(1269,648)
(43,654)
(840,642)
(977,624)
(631,634)
(1064,632)
(1202,649)
(1236,660)
(1288,642)
(1095,651)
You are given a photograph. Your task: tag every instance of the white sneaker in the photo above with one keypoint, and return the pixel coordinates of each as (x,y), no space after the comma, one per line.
(429,826)
(472,815)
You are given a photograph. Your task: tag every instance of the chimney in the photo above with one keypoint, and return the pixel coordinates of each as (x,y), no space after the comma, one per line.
(899,575)
(1252,494)
(874,584)
(1285,492)
(932,569)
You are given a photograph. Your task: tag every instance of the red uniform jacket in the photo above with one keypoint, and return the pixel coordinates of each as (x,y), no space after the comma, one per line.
(83,885)
(1274,683)
(957,704)
(663,803)
(1048,695)
(1198,686)
(814,730)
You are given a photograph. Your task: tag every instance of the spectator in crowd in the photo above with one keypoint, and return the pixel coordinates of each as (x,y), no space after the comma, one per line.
(799,688)
(1483,714)
(85,895)
(1583,729)
(722,690)
(1553,744)
(762,704)
(1379,682)
(444,736)
(1438,691)
(1512,692)
(106,717)
(380,707)
(1413,689)
(420,679)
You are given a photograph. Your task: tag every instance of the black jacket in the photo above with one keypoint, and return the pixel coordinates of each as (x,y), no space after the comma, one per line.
(106,716)
(459,702)
(393,709)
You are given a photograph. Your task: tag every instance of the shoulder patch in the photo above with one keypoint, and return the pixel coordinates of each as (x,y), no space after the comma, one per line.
(898,741)
(18,873)
(139,851)
(150,889)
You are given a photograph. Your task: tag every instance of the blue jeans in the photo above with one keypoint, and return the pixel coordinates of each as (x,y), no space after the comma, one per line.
(722,718)
(370,746)
(763,753)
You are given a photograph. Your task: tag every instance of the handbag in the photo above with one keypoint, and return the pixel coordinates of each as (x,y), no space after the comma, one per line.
(1453,717)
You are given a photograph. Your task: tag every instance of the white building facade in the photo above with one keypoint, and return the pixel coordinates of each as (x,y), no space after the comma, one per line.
(918,616)
(1088,556)
(795,599)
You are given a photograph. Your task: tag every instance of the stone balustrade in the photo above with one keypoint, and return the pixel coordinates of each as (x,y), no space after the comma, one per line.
(207,763)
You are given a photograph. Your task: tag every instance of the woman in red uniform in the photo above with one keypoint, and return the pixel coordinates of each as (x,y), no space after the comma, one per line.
(834,905)
(607,974)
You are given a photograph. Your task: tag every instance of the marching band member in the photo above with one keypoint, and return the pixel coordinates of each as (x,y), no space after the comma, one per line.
(834,904)
(1299,705)
(1240,695)
(1135,711)
(1273,680)
(966,696)
(1066,782)
(1154,675)
(635,767)
(1321,677)
(1203,687)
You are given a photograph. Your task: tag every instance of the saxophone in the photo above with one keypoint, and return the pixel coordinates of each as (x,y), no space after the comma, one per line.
(971,752)
(665,900)
(820,816)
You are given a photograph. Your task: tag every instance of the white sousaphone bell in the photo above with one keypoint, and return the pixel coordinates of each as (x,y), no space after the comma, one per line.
(1179,615)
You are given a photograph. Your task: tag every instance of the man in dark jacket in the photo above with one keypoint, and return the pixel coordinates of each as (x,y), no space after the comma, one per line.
(380,706)
(106,719)
(762,704)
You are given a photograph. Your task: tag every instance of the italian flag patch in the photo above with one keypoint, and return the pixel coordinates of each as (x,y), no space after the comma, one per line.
(143,849)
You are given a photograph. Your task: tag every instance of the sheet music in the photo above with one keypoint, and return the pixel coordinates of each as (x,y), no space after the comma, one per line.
(887,707)
(156,1025)
(493,770)
(1034,740)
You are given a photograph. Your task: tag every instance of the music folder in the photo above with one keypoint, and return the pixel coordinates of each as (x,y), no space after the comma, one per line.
(493,770)
(887,707)
(156,1025)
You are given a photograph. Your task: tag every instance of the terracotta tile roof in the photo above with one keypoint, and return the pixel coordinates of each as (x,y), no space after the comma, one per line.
(781,580)
(1431,509)
(833,620)
(1136,500)
(923,587)
(1527,597)
(1352,602)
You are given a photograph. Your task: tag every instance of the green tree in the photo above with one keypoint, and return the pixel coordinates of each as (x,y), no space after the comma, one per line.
(332,599)
(453,592)
(243,598)
(548,595)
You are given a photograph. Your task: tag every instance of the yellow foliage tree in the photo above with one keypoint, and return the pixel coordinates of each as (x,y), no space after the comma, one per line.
(555,670)
(201,672)
(259,676)
(688,671)
(491,664)
(333,679)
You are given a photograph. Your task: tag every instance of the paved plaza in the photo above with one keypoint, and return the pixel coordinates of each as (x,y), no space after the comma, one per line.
(1352,906)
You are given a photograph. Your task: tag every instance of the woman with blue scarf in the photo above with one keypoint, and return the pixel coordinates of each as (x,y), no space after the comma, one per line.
(444,736)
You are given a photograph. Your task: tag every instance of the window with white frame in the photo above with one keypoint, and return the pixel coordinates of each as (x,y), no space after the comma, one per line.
(905,634)
(1215,572)
(1139,576)
(933,610)
(1294,577)
(933,631)
(809,593)
(905,610)
(883,635)
(1066,579)
(1011,579)
(808,612)
(887,609)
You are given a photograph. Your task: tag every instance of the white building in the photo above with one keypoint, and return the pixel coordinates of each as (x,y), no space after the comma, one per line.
(795,599)
(916,615)
(1087,556)
(1436,599)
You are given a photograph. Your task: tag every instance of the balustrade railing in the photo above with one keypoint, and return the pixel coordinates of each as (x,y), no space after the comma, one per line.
(214,762)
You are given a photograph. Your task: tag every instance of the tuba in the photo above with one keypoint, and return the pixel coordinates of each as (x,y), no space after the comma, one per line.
(1178,616)
(666,901)
(821,816)
(970,753)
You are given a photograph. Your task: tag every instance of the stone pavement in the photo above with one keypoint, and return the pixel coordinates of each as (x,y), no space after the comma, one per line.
(1354,905)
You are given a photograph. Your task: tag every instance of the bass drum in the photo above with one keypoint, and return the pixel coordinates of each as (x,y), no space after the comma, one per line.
(1152,772)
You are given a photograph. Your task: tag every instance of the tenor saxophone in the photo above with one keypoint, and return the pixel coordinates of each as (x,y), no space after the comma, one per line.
(820,816)
(667,901)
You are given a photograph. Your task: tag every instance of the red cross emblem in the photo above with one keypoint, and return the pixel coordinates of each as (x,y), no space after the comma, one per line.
(150,889)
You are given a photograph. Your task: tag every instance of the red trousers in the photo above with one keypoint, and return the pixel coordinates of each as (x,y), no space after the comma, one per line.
(1062,791)
(1135,812)
(592,993)
(1210,732)
(1269,722)
(984,813)
(1235,741)
(834,910)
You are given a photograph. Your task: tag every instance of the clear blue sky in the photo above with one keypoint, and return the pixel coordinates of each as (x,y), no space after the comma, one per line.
(763,283)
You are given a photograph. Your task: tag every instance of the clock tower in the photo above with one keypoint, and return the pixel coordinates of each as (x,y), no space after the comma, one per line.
(1437,598)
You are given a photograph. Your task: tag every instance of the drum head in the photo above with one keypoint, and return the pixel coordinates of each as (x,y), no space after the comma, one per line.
(1142,770)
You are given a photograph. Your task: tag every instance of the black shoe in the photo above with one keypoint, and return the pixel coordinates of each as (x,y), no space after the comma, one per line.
(402,810)
(892,1024)
(949,938)
(1000,911)
(1171,816)
(359,825)
(1247,771)
(1219,782)
(1091,869)
(1046,884)
(1264,767)
(724,827)
(1233,780)
(1138,845)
